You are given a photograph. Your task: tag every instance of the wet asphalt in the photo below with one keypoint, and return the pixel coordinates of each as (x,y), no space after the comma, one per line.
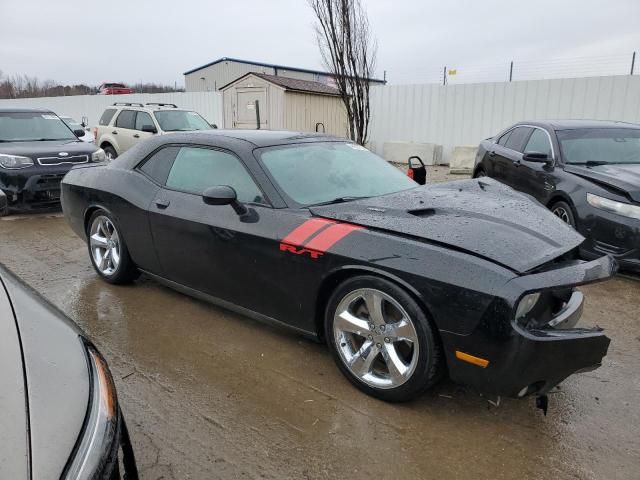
(211,394)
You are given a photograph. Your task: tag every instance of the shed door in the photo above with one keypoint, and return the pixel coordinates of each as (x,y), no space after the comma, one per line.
(245,114)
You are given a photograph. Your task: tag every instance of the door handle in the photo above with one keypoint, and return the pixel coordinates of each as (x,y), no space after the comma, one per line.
(162,203)
(516,163)
(492,153)
(114,133)
(136,136)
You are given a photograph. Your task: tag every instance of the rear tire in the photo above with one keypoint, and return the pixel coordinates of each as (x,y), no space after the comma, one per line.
(110,152)
(564,211)
(391,353)
(108,251)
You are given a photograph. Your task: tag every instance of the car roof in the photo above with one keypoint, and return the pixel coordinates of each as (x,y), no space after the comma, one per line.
(25,110)
(267,138)
(571,124)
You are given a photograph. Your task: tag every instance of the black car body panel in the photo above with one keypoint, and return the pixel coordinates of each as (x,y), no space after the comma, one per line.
(455,248)
(606,233)
(48,411)
(38,186)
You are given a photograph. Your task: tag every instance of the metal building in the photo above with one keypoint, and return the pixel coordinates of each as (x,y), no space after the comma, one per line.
(258,100)
(213,76)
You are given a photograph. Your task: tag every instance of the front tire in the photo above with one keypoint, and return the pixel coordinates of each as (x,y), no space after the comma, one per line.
(381,339)
(108,251)
(110,153)
(564,212)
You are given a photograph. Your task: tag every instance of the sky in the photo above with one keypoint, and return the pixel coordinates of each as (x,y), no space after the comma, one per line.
(157,40)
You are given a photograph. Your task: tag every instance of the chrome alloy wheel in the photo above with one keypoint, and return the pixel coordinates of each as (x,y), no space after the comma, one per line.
(376,338)
(562,213)
(105,245)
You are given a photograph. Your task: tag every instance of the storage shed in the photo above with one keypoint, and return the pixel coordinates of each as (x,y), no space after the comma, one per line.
(258,100)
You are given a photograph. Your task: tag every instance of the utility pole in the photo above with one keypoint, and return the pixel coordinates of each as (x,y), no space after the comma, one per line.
(444,76)
(511,71)
(633,62)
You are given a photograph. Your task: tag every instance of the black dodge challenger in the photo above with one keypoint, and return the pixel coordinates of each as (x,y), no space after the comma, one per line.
(404,282)
(59,412)
(587,172)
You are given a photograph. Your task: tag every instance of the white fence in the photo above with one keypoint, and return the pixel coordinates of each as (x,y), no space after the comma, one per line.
(207,104)
(455,115)
(450,115)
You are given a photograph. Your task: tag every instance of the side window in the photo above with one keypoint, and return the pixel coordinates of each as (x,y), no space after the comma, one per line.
(538,142)
(126,119)
(159,165)
(196,169)
(503,139)
(143,118)
(107,116)
(517,138)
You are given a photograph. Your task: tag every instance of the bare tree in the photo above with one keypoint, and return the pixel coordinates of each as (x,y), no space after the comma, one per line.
(349,52)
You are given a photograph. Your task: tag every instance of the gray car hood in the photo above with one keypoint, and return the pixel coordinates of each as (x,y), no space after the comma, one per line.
(481,217)
(57,383)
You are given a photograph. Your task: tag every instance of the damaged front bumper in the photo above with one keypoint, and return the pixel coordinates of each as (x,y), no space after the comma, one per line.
(35,189)
(532,355)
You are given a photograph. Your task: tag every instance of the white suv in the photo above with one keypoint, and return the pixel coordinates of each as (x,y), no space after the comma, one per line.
(125,124)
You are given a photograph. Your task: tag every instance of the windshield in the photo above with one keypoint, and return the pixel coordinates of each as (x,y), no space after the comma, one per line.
(72,124)
(600,145)
(316,173)
(33,126)
(180,121)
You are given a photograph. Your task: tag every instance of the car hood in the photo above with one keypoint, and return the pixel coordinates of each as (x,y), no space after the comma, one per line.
(56,375)
(619,176)
(48,148)
(481,217)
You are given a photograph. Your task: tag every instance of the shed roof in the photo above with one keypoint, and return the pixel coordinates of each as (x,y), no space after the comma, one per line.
(292,84)
(268,65)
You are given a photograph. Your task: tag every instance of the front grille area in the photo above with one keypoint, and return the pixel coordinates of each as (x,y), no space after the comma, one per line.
(607,248)
(46,182)
(63,160)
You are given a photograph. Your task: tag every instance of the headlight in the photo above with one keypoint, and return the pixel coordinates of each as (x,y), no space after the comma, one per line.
(101,424)
(526,304)
(98,156)
(624,209)
(14,161)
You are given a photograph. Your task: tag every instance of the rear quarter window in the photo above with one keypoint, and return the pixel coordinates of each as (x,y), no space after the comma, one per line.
(106,117)
(159,164)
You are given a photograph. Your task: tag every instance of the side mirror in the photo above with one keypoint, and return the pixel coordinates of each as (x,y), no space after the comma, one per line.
(536,157)
(213,125)
(149,129)
(223,195)
(79,132)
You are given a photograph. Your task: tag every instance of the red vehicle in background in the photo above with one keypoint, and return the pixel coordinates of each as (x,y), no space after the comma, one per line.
(114,89)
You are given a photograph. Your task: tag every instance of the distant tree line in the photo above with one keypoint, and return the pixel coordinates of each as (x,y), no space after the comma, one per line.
(24,86)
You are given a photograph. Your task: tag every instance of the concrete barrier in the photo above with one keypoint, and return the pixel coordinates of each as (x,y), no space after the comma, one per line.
(462,160)
(399,152)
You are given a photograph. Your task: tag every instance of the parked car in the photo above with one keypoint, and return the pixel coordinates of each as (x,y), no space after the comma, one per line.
(77,126)
(319,234)
(125,124)
(58,408)
(36,150)
(114,89)
(586,172)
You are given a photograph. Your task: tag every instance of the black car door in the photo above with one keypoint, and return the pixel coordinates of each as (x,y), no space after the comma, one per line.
(535,178)
(495,156)
(510,156)
(213,249)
